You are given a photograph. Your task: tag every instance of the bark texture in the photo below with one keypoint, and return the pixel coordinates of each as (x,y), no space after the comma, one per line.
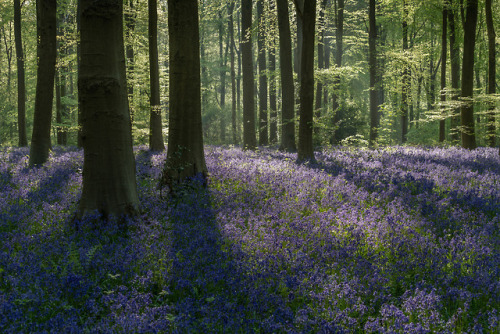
(491,73)
(155,123)
(185,155)
(249,138)
(21,86)
(467,110)
(287,86)
(109,184)
(46,53)
(306,149)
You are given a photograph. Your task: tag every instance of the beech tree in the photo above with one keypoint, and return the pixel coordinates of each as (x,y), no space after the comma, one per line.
(46,52)
(155,123)
(287,86)
(109,183)
(21,86)
(261,59)
(491,72)
(444,41)
(249,138)
(374,85)
(467,110)
(306,149)
(185,155)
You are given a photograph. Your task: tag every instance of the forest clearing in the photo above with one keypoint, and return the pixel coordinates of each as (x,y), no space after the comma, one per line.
(393,240)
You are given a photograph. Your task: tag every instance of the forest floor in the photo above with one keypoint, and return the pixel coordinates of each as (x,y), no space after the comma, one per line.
(395,240)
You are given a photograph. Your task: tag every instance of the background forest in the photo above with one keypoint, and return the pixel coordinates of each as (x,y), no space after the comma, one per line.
(414,91)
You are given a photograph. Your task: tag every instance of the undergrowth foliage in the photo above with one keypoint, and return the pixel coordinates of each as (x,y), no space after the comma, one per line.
(395,240)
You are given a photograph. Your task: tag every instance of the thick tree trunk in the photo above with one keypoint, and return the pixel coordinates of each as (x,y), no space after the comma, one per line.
(287,86)
(109,184)
(233,72)
(155,123)
(185,155)
(21,86)
(467,109)
(261,48)
(444,41)
(491,73)
(46,52)
(78,65)
(223,60)
(249,139)
(305,147)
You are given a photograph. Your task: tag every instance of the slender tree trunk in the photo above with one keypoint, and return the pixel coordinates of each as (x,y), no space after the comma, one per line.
(233,72)
(155,123)
(46,52)
(287,86)
(223,60)
(455,76)
(467,109)
(339,41)
(21,86)
(261,49)
(372,60)
(109,184)
(305,148)
(185,155)
(130,21)
(405,79)
(444,51)
(249,140)
(491,73)
(321,65)
(273,116)
(238,80)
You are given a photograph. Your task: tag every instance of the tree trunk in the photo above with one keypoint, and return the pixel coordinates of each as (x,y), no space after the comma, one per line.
(321,65)
(467,109)
(130,20)
(21,86)
(78,65)
(374,85)
(185,155)
(444,41)
(287,86)
(491,73)
(249,140)
(405,79)
(273,116)
(46,52)
(339,49)
(233,72)
(109,184)
(261,49)
(306,149)
(223,59)
(155,123)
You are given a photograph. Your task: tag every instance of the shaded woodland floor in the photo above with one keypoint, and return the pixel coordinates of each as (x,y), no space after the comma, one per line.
(395,240)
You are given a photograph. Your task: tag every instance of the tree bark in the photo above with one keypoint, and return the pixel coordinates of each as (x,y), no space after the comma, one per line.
(155,123)
(405,79)
(109,184)
(261,49)
(223,60)
(21,86)
(287,86)
(467,109)
(249,139)
(339,50)
(321,65)
(46,52)
(130,21)
(374,85)
(444,51)
(273,109)
(185,155)
(491,129)
(306,149)
(233,71)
